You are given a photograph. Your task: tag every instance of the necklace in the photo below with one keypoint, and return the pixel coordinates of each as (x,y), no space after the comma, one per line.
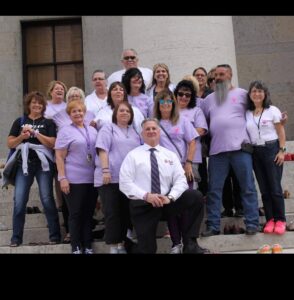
(258,111)
(125,131)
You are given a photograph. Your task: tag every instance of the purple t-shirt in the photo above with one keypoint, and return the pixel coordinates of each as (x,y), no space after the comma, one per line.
(196,117)
(62,118)
(144,103)
(181,134)
(53,108)
(227,122)
(117,142)
(77,168)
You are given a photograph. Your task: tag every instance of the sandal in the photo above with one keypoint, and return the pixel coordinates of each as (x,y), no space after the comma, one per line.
(66,239)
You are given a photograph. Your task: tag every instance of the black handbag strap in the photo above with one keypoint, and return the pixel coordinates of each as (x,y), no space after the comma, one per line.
(181,156)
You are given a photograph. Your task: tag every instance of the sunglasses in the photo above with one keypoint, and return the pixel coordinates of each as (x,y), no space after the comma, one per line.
(168,101)
(129,57)
(187,95)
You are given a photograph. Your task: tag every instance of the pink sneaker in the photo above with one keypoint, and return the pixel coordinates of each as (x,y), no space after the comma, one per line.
(269,226)
(280,227)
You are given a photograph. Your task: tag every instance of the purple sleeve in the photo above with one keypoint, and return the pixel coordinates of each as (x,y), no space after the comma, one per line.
(189,131)
(199,119)
(104,137)
(64,138)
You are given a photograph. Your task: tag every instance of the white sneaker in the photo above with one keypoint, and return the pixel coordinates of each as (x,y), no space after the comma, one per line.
(77,251)
(113,250)
(3,227)
(88,251)
(176,249)
(130,235)
(121,249)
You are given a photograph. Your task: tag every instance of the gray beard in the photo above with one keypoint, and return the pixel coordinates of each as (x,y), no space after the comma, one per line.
(221,91)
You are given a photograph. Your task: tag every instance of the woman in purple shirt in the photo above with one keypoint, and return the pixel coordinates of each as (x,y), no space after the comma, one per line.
(114,142)
(75,154)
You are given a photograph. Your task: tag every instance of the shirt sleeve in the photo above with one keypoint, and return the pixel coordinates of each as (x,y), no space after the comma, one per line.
(127,176)
(51,128)
(104,137)
(15,128)
(63,139)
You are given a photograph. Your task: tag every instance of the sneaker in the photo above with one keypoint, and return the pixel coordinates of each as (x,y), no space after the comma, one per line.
(113,250)
(121,249)
(277,248)
(3,227)
(280,227)
(130,235)
(177,249)
(77,251)
(269,226)
(265,249)
(88,251)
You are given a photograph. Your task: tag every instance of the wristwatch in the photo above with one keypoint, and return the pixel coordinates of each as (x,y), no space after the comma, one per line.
(171,198)
(283,149)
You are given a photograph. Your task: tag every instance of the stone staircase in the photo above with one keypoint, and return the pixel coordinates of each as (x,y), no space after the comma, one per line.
(36,232)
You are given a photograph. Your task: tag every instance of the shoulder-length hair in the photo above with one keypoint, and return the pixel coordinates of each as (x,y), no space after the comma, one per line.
(155,67)
(174,117)
(129,74)
(39,97)
(258,84)
(129,106)
(112,86)
(187,85)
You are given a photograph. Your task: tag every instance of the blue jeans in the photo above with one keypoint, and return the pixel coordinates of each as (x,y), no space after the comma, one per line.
(269,176)
(21,197)
(218,169)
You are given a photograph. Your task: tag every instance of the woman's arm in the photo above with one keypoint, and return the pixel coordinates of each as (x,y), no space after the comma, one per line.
(60,157)
(103,156)
(279,159)
(191,148)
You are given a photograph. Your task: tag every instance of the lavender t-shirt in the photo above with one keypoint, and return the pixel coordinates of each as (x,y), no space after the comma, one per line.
(227,121)
(181,133)
(196,117)
(144,103)
(53,108)
(77,168)
(117,143)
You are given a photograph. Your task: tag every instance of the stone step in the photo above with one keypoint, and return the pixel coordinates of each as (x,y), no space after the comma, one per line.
(32,220)
(31,235)
(243,242)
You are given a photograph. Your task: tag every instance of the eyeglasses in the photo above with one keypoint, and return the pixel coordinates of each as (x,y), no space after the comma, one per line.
(187,95)
(168,101)
(129,57)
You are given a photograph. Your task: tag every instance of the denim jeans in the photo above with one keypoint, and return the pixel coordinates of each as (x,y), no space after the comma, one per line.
(218,169)
(269,176)
(21,197)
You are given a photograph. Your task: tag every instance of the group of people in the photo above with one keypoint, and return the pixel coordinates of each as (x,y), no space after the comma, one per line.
(141,144)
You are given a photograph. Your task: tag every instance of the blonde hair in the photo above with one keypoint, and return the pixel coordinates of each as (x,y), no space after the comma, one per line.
(75,104)
(194,82)
(74,89)
(155,67)
(51,86)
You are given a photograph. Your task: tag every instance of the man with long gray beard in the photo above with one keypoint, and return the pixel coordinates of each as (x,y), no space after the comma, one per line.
(225,113)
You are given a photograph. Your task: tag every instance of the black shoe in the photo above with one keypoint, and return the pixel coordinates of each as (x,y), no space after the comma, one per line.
(194,248)
(239,213)
(29,210)
(227,213)
(210,232)
(36,210)
(251,230)
(227,229)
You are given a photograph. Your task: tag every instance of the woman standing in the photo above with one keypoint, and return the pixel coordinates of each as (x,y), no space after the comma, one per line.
(267,135)
(114,142)
(35,139)
(75,154)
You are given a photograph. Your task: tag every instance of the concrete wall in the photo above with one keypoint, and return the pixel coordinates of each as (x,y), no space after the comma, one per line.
(182,42)
(265,50)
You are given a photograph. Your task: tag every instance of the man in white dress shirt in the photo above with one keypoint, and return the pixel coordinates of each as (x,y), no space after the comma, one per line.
(147,208)
(129,59)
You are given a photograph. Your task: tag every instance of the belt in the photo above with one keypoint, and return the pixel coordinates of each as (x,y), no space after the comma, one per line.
(266,143)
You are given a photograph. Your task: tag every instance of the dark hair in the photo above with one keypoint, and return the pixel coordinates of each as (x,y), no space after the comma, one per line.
(187,85)
(129,106)
(258,84)
(112,86)
(129,74)
(199,68)
(39,97)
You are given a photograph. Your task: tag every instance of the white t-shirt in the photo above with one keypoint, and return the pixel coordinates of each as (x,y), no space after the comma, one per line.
(95,104)
(117,76)
(267,121)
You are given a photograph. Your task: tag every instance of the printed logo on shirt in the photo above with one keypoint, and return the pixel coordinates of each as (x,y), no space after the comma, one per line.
(168,161)
(176,130)
(234,100)
(265,122)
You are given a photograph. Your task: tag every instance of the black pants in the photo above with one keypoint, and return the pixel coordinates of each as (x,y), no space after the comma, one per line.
(115,206)
(232,192)
(203,184)
(145,219)
(81,202)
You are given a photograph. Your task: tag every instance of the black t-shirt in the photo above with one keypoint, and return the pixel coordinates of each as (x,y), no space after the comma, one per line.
(45,126)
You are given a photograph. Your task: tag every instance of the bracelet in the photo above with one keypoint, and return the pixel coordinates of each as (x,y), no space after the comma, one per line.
(189,161)
(59,178)
(105,168)
(36,132)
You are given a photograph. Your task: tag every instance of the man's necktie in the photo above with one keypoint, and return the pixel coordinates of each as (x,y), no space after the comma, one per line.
(155,180)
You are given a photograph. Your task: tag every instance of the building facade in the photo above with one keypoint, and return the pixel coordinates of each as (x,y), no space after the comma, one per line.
(73,46)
